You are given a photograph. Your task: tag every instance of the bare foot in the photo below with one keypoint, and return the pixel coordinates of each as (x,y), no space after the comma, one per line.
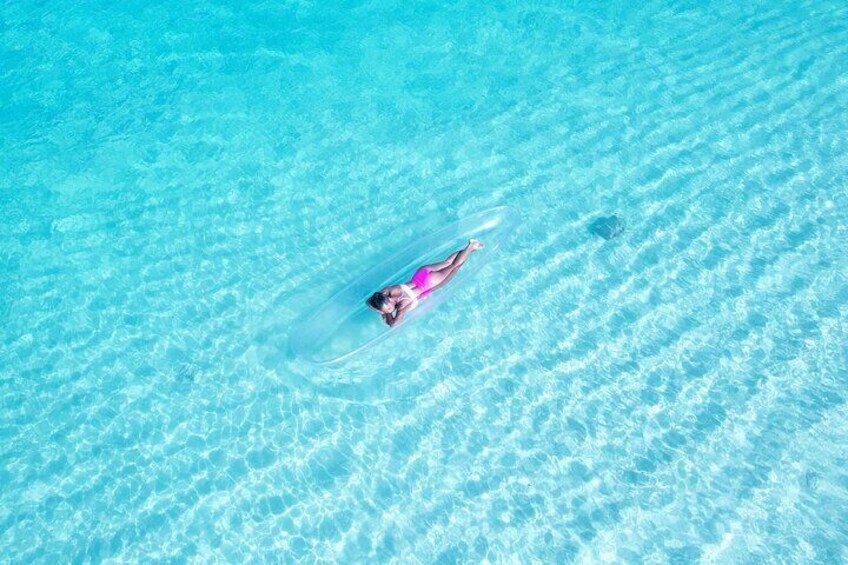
(475,244)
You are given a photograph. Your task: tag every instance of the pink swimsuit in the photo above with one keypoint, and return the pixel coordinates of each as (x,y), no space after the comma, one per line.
(421,279)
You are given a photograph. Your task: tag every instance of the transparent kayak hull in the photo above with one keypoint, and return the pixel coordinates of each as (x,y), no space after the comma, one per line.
(343,326)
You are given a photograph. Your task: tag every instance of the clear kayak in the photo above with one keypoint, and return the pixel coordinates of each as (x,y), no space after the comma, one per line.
(344,325)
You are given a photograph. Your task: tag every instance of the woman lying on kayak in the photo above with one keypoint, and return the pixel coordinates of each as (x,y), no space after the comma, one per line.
(394,301)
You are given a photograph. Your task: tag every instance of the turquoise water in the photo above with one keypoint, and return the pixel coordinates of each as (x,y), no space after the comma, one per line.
(180,183)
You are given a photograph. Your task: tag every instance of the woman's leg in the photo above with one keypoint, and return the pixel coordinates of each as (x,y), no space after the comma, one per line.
(441,277)
(442,264)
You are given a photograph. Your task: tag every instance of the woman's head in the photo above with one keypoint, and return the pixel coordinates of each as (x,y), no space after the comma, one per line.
(380,302)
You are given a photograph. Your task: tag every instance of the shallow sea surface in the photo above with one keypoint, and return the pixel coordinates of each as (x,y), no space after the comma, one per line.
(178,183)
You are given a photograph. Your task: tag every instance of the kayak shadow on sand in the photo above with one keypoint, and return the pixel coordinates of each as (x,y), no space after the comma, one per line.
(607,227)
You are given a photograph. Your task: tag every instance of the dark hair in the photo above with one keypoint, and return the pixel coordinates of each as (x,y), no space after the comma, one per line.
(377,300)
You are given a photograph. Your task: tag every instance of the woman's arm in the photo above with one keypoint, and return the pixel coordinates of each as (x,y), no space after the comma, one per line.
(393,321)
